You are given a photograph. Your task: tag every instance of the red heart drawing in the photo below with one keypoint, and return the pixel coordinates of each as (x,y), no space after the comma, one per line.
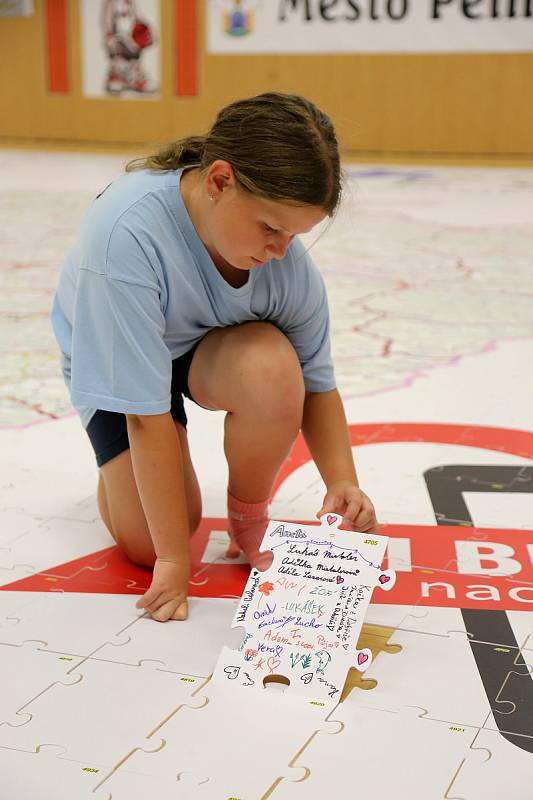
(339,579)
(273,663)
(362,658)
(330,519)
(384,578)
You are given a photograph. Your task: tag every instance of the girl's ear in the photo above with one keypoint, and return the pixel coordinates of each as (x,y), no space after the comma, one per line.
(220,176)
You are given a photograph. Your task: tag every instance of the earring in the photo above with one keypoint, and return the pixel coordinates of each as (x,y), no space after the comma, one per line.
(211,197)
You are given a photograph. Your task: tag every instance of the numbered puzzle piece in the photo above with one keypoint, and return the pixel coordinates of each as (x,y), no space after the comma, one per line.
(26,673)
(509,631)
(123,785)
(495,768)
(448,678)
(105,714)
(380,754)
(44,773)
(236,749)
(303,615)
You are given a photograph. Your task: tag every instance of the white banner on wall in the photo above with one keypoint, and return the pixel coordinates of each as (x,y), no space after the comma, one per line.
(120,47)
(16,8)
(370,26)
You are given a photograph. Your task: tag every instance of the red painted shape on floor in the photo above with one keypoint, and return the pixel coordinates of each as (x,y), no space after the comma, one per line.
(504,440)
(109,571)
(432,548)
(433,556)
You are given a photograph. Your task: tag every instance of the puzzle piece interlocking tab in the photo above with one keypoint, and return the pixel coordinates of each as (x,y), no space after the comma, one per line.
(303,615)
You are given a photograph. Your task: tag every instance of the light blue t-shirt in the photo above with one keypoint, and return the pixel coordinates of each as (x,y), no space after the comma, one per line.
(140,289)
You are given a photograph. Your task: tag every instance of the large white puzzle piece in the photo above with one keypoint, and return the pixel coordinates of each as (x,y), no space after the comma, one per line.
(448,622)
(15,573)
(109,627)
(25,673)
(13,525)
(55,541)
(441,621)
(65,622)
(433,620)
(190,646)
(493,769)
(389,616)
(105,714)
(303,615)
(44,774)
(123,785)
(437,675)
(34,490)
(380,754)
(236,747)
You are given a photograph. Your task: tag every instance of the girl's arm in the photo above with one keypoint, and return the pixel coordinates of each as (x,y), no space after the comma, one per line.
(325,431)
(157,466)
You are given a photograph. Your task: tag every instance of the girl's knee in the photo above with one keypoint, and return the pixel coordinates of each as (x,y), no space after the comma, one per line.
(268,355)
(139,548)
(101,498)
(141,554)
(265,337)
(132,535)
(270,369)
(195,517)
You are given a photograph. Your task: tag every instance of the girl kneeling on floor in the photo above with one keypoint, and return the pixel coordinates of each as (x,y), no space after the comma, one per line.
(188,279)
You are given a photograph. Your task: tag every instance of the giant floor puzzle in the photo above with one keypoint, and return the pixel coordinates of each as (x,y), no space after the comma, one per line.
(428,273)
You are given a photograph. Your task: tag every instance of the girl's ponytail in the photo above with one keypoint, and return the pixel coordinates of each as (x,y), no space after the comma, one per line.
(174,155)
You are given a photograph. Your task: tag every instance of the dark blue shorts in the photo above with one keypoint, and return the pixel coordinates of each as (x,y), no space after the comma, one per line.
(108,430)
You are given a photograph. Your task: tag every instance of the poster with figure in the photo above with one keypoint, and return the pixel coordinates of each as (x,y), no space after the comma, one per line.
(120,48)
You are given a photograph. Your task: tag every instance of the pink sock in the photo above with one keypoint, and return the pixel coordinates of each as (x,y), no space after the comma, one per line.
(247,523)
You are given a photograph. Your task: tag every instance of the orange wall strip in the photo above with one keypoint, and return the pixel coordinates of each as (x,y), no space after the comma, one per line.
(56,34)
(186,21)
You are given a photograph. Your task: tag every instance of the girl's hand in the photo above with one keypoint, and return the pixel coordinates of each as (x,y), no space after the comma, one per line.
(167,596)
(344,497)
